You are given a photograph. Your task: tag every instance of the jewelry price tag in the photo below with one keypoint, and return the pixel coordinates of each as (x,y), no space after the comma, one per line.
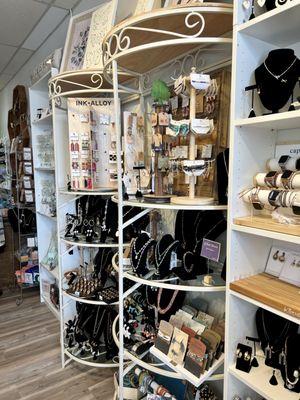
(211,250)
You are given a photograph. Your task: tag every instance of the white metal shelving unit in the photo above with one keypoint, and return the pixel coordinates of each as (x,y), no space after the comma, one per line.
(195,35)
(83,83)
(46,224)
(252,142)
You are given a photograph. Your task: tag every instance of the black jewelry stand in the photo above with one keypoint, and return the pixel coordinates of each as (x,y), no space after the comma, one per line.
(275,90)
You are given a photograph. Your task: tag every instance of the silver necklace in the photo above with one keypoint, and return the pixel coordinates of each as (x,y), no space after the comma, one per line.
(103,226)
(159,257)
(284,72)
(141,250)
(296,374)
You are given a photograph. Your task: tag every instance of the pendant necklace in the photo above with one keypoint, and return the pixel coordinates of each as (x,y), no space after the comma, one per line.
(290,384)
(268,349)
(283,73)
(159,257)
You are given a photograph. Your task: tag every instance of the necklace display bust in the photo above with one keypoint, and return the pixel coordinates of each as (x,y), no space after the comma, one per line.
(276,78)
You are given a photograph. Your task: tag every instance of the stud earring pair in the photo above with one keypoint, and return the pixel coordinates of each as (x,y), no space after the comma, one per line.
(295,264)
(281,257)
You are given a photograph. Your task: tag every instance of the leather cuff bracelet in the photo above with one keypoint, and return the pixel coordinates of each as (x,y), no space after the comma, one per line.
(257,205)
(270,179)
(273,196)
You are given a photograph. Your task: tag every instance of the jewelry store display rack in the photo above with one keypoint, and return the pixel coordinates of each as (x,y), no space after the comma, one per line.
(138,47)
(81,83)
(252,143)
(41,127)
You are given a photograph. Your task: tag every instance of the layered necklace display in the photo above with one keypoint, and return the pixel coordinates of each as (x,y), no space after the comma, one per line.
(277,77)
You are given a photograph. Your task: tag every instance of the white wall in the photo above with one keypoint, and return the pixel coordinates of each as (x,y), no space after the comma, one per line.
(56,40)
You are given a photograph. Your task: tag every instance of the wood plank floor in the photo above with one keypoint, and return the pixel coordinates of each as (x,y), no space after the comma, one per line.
(30,366)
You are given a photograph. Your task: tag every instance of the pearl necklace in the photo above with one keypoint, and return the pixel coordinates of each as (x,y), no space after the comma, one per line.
(165,310)
(284,72)
(296,374)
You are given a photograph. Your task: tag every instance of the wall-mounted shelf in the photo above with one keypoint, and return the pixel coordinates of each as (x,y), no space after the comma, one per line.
(282,120)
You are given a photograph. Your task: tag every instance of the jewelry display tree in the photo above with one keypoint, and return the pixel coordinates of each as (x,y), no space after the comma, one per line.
(263,225)
(44,171)
(192,199)
(184,29)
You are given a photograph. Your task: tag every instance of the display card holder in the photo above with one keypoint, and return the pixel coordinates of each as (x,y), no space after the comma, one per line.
(164,337)
(243,361)
(27,154)
(91,145)
(195,359)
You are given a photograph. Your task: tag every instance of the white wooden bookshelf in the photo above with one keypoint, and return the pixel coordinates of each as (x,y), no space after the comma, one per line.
(252,143)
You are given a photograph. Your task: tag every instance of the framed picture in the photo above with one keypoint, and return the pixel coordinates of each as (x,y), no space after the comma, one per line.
(76,42)
(103,19)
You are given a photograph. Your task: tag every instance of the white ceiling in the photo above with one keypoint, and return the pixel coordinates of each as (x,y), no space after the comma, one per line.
(24,27)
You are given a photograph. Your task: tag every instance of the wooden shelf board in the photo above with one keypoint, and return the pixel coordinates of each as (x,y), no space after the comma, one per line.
(283,120)
(279,26)
(264,225)
(258,380)
(271,291)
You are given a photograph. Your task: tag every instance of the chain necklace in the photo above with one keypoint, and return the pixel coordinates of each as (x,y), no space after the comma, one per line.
(159,257)
(184,263)
(141,250)
(165,310)
(283,73)
(296,374)
(103,226)
(138,253)
(285,329)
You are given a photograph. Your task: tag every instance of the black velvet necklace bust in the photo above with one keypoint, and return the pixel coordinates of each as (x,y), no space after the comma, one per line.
(275,91)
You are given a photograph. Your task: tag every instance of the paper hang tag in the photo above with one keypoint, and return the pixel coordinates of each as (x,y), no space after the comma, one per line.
(246,4)
(199,103)
(185,100)
(200,81)
(174,102)
(153,119)
(202,126)
(173,261)
(261,3)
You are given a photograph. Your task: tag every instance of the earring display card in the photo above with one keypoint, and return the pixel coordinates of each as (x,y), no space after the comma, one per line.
(92,143)
(178,346)
(291,269)
(275,261)
(284,264)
